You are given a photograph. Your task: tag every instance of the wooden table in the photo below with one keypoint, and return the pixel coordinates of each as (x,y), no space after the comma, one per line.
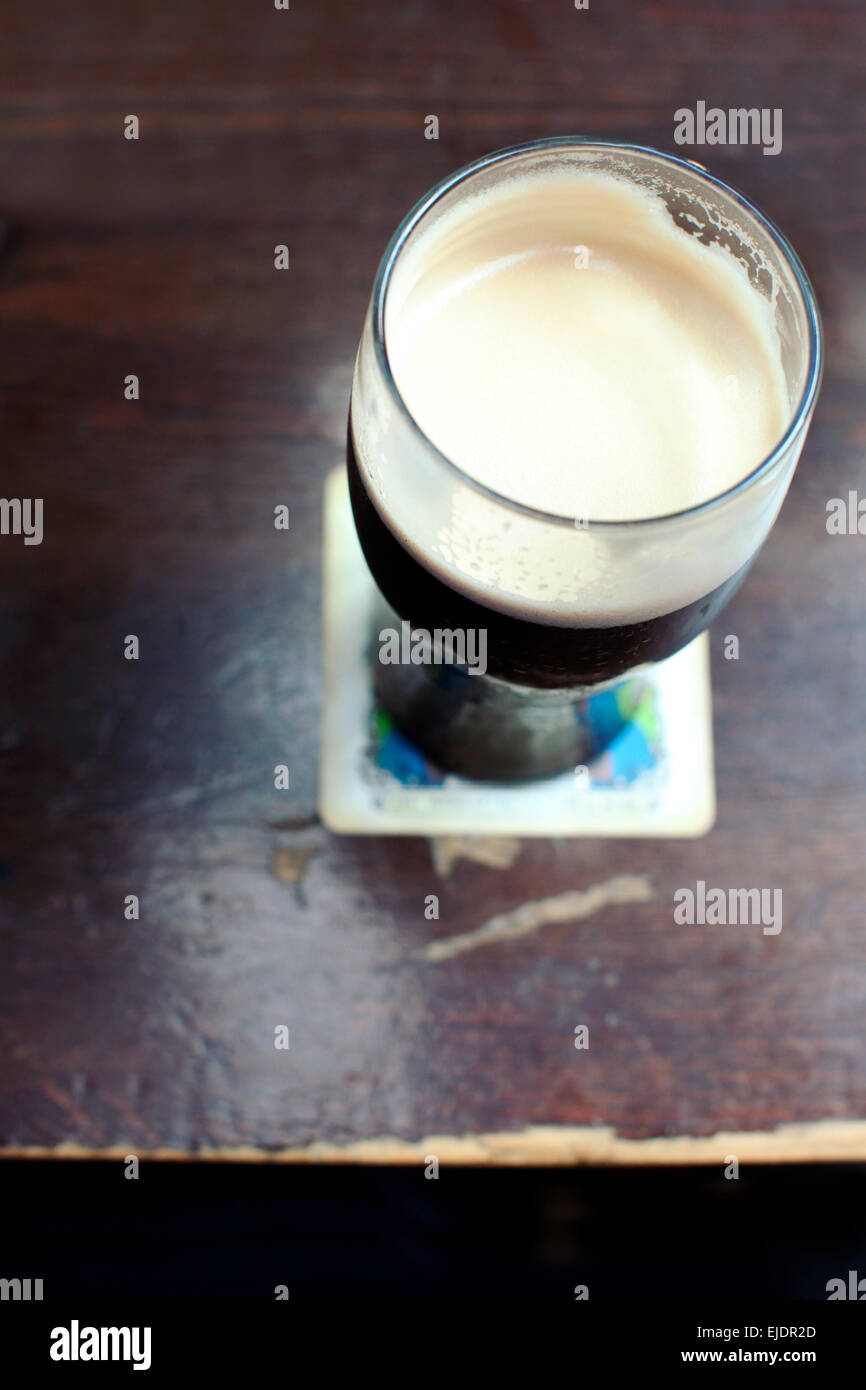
(154,777)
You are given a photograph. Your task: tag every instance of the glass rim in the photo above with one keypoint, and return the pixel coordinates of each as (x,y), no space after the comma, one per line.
(416,214)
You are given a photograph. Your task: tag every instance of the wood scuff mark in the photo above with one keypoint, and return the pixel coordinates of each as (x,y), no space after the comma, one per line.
(289,865)
(493,851)
(530,917)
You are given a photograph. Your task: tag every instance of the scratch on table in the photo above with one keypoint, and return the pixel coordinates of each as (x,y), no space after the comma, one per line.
(494,851)
(67,1106)
(133,1120)
(529,917)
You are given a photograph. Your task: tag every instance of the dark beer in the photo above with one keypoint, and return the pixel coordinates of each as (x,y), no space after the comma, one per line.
(527,653)
(570,429)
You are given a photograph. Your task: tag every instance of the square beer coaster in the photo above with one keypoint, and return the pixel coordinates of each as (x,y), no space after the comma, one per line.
(656,779)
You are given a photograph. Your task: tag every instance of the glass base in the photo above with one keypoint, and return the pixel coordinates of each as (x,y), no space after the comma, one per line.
(486,729)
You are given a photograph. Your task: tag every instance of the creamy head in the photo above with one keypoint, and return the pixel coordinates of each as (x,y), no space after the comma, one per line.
(562,341)
(565,344)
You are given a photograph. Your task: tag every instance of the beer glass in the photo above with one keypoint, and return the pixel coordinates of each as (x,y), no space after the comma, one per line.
(438,542)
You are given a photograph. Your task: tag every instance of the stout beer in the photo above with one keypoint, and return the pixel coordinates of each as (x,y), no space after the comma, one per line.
(572,411)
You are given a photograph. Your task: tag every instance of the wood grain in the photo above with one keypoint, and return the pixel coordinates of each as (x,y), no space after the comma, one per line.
(155,777)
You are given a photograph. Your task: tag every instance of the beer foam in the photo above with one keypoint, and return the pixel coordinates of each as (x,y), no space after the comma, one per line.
(563,342)
(566,345)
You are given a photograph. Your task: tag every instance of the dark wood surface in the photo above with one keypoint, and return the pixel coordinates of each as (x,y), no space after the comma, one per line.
(155,777)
